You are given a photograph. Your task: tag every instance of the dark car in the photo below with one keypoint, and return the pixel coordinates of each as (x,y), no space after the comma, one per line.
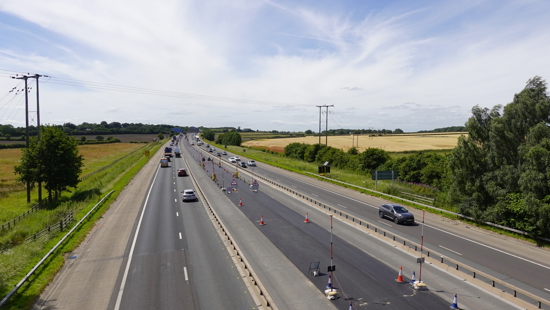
(396,213)
(242,164)
(182,172)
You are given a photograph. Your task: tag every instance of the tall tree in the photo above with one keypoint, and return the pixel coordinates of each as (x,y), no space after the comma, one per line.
(54,160)
(501,165)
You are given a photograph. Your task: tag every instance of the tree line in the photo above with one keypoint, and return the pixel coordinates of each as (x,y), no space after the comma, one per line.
(499,172)
(103,128)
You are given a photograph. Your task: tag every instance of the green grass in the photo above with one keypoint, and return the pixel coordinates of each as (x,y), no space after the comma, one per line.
(81,201)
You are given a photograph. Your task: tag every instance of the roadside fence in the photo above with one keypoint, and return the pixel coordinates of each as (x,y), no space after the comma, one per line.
(62,225)
(33,270)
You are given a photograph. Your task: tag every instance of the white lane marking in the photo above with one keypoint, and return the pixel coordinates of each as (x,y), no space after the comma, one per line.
(175,200)
(177,214)
(180,235)
(342,206)
(546,289)
(185,272)
(384,223)
(121,290)
(490,247)
(315,195)
(174,189)
(481,244)
(449,250)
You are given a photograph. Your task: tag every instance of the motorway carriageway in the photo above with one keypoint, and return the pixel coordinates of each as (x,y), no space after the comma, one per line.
(361,279)
(498,259)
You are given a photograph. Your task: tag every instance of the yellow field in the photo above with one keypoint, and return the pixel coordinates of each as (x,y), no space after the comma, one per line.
(390,143)
(95,157)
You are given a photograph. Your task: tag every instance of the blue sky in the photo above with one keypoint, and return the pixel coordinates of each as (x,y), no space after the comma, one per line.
(414,65)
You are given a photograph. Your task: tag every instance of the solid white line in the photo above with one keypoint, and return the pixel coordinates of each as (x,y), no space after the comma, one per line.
(185,272)
(449,250)
(384,223)
(481,244)
(123,283)
(180,235)
(342,206)
(177,214)
(490,247)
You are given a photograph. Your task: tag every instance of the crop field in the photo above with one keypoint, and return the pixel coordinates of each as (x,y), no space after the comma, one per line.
(95,157)
(260,135)
(123,138)
(390,143)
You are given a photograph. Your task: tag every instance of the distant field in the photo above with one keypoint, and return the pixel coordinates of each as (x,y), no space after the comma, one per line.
(123,138)
(95,157)
(390,143)
(260,135)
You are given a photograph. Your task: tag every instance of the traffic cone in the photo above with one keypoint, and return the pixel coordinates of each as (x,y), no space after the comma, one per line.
(329,284)
(262,220)
(240,202)
(413,278)
(307,219)
(454,305)
(400,276)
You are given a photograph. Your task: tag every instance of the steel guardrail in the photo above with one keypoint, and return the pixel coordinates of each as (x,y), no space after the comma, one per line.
(27,276)
(480,278)
(259,291)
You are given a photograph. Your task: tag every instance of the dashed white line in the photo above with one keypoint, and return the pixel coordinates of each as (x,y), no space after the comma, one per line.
(185,272)
(174,189)
(180,235)
(175,200)
(384,223)
(315,195)
(546,289)
(470,240)
(177,214)
(342,206)
(450,250)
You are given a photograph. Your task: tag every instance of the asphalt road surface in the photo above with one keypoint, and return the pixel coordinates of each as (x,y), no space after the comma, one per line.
(178,262)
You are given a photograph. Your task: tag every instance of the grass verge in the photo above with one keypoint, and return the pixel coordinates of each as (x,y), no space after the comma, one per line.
(17,265)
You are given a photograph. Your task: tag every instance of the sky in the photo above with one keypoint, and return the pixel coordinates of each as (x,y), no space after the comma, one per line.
(269,65)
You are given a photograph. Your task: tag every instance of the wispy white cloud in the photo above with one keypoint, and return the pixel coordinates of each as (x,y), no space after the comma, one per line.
(421,67)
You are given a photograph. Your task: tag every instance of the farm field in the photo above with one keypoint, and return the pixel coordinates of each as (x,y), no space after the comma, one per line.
(390,143)
(123,138)
(95,157)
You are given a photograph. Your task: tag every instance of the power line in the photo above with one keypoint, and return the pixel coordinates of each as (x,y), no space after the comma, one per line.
(148,91)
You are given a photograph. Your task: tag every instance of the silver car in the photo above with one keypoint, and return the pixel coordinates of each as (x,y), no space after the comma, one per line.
(188,195)
(396,213)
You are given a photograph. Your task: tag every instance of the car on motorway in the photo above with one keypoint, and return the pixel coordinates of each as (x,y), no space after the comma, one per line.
(219,154)
(252,163)
(396,213)
(237,158)
(224,153)
(182,172)
(232,160)
(188,195)
(241,164)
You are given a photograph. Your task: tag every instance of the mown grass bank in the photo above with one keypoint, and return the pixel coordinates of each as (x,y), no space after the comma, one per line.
(16,261)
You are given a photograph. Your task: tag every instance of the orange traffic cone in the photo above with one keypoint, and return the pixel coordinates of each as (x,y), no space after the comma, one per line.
(240,202)
(400,276)
(262,220)
(307,219)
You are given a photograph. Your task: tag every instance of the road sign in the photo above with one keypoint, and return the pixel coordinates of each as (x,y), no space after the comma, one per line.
(234,183)
(255,185)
